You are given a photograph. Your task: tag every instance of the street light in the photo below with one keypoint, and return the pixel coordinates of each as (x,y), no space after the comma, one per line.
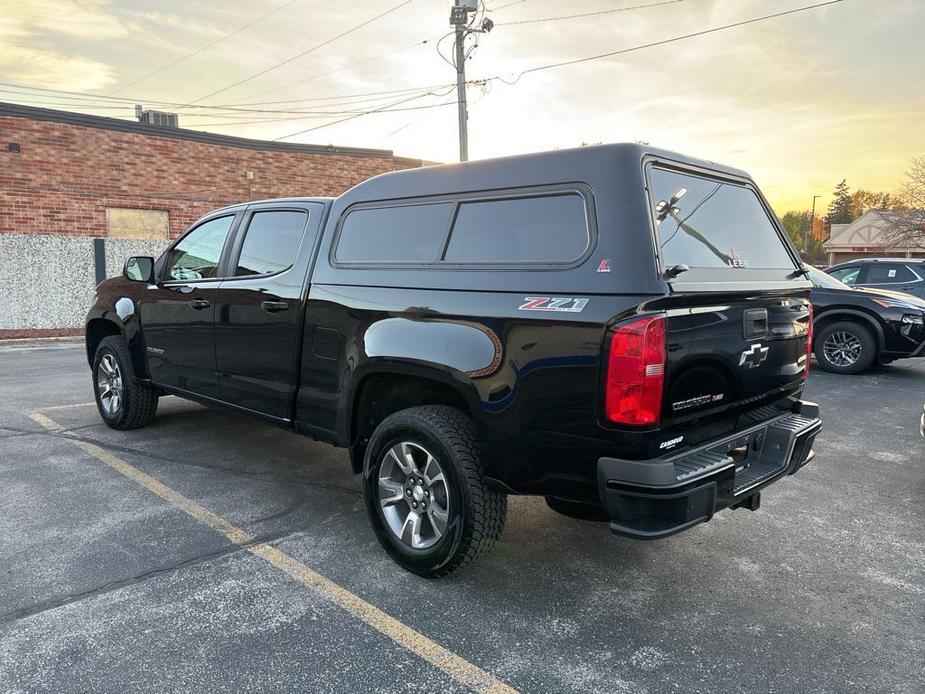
(812,221)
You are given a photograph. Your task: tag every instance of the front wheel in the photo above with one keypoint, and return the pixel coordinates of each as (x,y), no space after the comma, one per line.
(845,347)
(425,493)
(123,402)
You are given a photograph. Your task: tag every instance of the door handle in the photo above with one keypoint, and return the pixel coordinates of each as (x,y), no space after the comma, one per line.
(274,306)
(199,304)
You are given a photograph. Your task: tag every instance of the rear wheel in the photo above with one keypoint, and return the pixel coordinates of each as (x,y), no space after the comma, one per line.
(425,493)
(123,402)
(845,347)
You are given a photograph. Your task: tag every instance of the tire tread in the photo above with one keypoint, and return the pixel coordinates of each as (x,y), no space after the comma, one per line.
(487,507)
(140,399)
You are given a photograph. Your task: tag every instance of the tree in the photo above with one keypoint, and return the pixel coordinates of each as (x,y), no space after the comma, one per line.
(907,224)
(840,209)
(863,201)
(796,224)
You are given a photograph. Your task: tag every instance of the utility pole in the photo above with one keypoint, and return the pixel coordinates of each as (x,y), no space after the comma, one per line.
(459,19)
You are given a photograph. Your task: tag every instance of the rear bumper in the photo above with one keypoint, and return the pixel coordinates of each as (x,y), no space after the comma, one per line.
(651,499)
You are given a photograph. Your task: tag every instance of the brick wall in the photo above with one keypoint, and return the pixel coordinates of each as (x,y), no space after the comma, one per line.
(66,175)
(54,193)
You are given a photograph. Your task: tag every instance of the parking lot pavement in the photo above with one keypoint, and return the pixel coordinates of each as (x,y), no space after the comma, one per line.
(221,581)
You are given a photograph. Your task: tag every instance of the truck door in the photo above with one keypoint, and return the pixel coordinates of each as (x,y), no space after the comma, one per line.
(177,314)
(259,306)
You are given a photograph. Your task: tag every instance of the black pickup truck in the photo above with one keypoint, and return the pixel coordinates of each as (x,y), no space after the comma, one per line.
(619,329)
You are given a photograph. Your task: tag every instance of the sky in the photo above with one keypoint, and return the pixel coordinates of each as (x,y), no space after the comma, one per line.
(800,102)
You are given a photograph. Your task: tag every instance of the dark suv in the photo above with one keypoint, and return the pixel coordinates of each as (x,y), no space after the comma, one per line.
(622,330)
(857,327)
(905,275)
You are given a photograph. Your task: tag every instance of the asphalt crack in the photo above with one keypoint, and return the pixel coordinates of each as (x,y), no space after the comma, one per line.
(111,586)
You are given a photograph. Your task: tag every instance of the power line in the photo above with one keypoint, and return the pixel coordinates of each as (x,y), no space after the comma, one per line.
(204,48)
(406,98)
(379,56)
(302,54)
(586,14)
(342,120)
(221,113)
(304,80)
(323,98)
(662,42)
(327,114)
(88,100)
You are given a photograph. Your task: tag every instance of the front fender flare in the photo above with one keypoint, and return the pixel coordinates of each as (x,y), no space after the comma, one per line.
(851,313)
(123,316)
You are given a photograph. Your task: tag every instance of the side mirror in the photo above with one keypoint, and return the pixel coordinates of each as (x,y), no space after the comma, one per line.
(139,268)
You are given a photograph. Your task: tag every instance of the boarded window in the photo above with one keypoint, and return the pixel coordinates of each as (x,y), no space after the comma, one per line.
(129,223)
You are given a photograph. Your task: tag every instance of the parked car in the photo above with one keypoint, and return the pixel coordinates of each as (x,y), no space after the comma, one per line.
(856,327)
(893,274)
(590,325)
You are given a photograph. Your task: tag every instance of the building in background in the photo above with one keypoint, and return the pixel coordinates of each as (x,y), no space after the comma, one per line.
(79,194)
(866,237)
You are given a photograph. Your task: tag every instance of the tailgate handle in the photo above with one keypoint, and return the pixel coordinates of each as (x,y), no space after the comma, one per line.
(756,323)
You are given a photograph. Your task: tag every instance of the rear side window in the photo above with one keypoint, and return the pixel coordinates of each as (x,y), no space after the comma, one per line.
(271,242)
(403,234)
(709,223)
(888,273)
(550,228)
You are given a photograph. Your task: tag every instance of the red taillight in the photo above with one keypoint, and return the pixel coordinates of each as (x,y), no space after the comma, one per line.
(636,372)
(809,340)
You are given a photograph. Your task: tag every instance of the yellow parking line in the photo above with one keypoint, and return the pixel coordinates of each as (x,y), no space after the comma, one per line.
(460,669)
(66,407)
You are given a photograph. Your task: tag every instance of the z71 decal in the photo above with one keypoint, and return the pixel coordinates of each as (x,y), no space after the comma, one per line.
(567,304)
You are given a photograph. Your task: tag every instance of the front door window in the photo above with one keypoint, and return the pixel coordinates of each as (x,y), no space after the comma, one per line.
(197,255)
(848,275)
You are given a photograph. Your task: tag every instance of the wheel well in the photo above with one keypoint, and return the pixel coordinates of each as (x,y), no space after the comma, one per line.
(829,318)
(380,395)
(96,330)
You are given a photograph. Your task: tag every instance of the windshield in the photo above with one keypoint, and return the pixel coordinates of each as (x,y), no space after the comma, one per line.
(708,223)
(821,279)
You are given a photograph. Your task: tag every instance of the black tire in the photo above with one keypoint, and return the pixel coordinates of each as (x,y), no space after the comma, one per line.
(475,512)
(850,330)
(137,401)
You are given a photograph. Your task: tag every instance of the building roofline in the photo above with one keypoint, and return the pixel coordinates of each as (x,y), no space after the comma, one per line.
(128,126)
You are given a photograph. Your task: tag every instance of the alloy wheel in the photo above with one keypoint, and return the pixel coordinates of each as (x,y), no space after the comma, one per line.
(842,349)
(109,384)
(414,495)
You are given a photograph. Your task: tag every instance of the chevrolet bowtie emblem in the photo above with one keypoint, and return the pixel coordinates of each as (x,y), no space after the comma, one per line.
(753,356)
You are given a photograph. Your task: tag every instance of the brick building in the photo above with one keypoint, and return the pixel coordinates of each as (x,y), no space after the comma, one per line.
(69,178)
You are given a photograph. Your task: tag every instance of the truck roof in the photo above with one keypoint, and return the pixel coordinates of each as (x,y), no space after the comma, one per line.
(522,169)
(442,178)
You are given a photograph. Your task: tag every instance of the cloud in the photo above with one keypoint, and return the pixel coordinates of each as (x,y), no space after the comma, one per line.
(30,33)
(175,22)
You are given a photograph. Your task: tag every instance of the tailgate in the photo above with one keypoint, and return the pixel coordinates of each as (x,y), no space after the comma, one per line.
(727,350)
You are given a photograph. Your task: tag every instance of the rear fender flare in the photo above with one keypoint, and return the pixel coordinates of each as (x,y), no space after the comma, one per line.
(460,383)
